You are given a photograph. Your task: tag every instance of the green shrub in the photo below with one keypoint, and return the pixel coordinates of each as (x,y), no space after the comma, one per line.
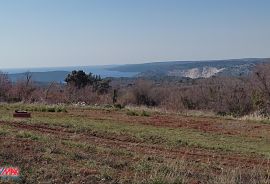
(27,135)
(118,106)
(144,113)
(132,113)
(51,109)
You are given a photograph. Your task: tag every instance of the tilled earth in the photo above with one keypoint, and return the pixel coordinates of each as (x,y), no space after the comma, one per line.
(54,153)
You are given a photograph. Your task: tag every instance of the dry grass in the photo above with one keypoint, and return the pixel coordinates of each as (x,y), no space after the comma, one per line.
(99,145)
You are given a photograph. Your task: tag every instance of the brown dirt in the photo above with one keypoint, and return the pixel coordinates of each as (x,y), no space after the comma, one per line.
(26,152)
(192,154)
(204,124)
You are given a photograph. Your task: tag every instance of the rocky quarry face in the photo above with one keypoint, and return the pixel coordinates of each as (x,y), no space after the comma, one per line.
(194,73)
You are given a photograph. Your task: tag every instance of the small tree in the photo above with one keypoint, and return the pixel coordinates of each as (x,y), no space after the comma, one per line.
(102,86)
(79,83)
(78,78)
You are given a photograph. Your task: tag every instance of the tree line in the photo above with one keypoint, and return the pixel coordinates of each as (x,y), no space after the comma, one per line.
(236,96)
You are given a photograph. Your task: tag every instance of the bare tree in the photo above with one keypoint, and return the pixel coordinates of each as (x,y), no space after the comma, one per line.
(25,88)
(5,86)
(261,84)
(142,93)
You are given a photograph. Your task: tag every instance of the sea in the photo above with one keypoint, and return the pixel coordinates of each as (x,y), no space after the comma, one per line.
(103,71)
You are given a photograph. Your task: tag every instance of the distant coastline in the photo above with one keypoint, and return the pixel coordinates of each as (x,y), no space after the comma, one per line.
(189,69)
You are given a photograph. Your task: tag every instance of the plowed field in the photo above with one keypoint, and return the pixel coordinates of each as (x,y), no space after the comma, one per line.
(111,146)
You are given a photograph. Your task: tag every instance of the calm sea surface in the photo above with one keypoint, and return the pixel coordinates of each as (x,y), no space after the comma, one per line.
(103,71)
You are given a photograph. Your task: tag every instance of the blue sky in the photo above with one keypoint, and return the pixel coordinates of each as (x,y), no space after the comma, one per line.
(36,33)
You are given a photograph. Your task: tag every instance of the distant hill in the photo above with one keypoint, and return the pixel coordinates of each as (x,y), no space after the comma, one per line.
(181,69)
(194,69)
(58,74)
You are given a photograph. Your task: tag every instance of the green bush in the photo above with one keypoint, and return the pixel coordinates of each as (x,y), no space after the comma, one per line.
(132,113)
(37,107)
(118,106)
(144,113)
(51,109)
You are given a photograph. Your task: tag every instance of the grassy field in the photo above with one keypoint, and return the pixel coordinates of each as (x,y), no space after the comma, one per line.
(106,145)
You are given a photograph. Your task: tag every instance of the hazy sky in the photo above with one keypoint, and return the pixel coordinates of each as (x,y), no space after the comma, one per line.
(37,33)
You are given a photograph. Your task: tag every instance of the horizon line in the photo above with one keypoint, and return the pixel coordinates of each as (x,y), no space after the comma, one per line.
(146,62)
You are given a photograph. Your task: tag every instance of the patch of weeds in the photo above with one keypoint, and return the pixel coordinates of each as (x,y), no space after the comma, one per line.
(157,180)
(48,158)
(39,149)
(221,113)
(163,180)
(106,174)
(108,106)
(121,152)
(181,142)
(54,149)
(41,108)
(27,135)
(165,169)
(155,159)
(132,113)
(115,163)
(61,109)
(168,172)
(51,109)
(66,173)
(118,106)
(145,113)
(79,156)
(91,164)
(143,167)
(154,139)
(89,148)
(3,132)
